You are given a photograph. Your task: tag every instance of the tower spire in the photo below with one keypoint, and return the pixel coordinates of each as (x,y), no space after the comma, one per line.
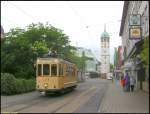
(105,27)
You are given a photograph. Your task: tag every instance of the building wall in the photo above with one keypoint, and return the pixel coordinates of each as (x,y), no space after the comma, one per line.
(90,66)
(140,7)
(135,7)
(92,62)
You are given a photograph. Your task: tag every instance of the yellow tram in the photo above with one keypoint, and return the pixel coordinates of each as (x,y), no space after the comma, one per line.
(55,75)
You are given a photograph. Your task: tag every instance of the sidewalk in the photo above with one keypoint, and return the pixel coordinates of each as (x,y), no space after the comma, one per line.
(117,101)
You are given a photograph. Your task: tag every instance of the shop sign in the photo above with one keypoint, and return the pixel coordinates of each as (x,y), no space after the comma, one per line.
(135,20)
(135,33)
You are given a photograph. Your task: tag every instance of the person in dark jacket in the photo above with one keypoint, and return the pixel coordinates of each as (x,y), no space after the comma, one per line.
(132,83)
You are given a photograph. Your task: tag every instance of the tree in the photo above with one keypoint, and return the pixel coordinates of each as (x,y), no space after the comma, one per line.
(111,67)
(145,54)
(21,47)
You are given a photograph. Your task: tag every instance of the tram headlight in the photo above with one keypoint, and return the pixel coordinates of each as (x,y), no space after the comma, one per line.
(45,85)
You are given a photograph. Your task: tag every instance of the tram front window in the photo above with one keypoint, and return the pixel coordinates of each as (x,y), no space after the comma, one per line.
(39,70)
(53,70)
(46,69)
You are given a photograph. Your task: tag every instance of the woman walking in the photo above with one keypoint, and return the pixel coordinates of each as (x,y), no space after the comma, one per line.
(127,82)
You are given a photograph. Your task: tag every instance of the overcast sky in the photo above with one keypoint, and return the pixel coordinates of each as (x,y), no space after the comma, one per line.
(71,16)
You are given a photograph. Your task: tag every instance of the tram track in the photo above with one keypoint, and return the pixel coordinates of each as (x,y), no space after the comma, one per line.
(16,106)
(56,105)
(71,102)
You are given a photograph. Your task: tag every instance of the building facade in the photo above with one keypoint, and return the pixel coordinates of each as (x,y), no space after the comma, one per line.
(92,63)
(131,61)
(105,56)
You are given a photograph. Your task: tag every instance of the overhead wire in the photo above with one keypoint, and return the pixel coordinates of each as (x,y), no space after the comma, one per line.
(21,10)
(103,24)
(81,20)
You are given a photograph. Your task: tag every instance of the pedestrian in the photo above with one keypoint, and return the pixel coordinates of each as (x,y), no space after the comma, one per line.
(132,83)
(127,82)
(122,82)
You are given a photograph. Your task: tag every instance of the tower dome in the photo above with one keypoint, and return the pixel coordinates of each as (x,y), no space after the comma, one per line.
(105,34)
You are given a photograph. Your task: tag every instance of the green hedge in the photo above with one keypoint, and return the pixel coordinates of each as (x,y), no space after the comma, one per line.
(10,85)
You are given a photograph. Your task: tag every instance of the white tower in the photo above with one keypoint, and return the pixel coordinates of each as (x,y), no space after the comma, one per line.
(105,56)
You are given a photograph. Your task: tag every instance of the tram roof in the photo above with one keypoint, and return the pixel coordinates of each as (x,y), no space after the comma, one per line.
(55,59)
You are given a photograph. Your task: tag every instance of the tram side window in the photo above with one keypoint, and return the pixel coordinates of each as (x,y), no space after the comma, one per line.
(53,69)
(73,73)
(39,69)
(45,69)
(60,69)
(67,70)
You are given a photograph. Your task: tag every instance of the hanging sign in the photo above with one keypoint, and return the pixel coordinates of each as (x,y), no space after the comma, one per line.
(135,20)
(135,33)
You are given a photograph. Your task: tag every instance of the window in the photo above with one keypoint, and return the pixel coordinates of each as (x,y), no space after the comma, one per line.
(104,45)
(39,69)
(53,69)
(46,69)
(60,69)
(73,72)
(67,70)
(70,71)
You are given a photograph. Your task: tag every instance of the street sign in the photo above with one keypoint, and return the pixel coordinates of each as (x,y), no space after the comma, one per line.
(135,20)
(135,33)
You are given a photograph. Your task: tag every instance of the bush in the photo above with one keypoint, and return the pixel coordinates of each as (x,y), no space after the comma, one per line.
(10,85)
(19,86)
(31,84)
